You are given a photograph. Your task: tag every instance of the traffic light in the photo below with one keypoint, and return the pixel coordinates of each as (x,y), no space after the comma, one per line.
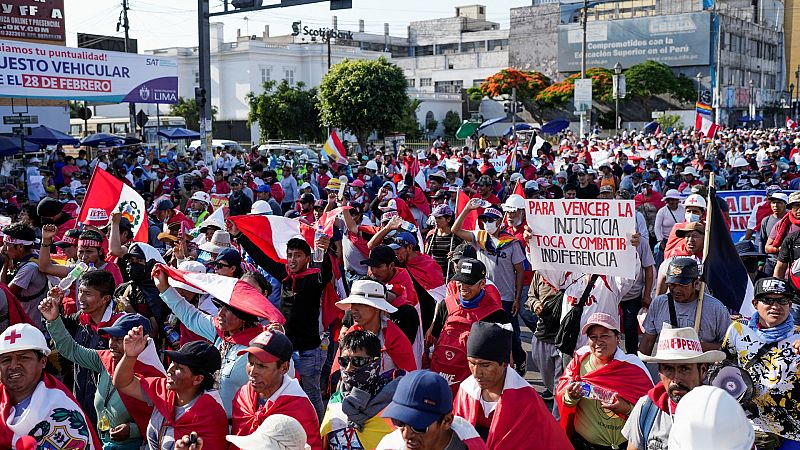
(341,4)
(519,107)
(239,4)
(506,107)
(200,96)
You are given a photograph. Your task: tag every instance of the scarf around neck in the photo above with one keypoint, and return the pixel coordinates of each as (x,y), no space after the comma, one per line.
(772,334)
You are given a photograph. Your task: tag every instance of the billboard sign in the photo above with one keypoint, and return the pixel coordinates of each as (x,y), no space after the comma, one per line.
(64,73)
(675,40)
(583,94)
(32,19)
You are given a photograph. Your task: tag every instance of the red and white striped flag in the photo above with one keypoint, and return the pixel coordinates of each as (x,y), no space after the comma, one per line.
(791,124)
(231,291)
(111,195)
(471,221)
(271,233)
(706,126)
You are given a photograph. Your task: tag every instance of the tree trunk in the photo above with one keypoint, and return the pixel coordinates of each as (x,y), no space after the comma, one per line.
(362,137)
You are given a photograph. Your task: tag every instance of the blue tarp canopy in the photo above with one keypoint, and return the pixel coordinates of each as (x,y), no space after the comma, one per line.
(11,145)
(491,122)
(43,135)
(175,134)
(103,140)
(554,126)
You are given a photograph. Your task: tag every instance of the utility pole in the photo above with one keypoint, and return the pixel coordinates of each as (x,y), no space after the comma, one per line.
(204,62)
(126,27)
(513,113)
(584,17)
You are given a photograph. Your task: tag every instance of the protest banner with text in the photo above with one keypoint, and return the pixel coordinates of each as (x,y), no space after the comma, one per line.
(587,236)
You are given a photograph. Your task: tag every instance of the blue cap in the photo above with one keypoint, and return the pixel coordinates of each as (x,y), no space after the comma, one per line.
(230,256)
(422,397)
(264,188)
(402,239)
(125,323)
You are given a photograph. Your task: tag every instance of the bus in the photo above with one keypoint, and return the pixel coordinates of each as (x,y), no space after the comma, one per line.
(121,126)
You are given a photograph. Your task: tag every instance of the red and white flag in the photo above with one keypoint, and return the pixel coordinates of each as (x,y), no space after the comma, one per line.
(271,233)
(112,195)
(706,126)
(335,149)
(791,124)
(328,219)
(231,291)
(471,221)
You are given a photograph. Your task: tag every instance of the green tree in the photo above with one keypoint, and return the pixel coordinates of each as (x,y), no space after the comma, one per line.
(652,78)
(528,85)
(284,111)
(408,123)
(451,123)
(432,125)
(188,109)
(670,121)
(362,96)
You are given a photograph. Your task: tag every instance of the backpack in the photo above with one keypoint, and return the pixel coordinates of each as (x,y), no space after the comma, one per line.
(647,418)
(449,358)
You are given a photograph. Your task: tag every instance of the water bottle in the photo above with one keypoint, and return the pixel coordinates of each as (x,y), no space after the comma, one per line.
(171,332)
(485,204)
(73,275)
(596,393)
(325,341)
(319,253)
(408,226)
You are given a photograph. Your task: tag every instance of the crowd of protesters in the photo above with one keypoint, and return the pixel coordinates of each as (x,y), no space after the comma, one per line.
(401,326)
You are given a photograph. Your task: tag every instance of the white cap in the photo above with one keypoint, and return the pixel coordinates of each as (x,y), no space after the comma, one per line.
(261,207)
(304,185)
(740,162)
(516,176)
(202,196)
(23,336)
(514,202)
(690,171)
(780,196)
(706,417)
(276,432)
(188,266)
(372,165)
(672,194)
(370,293)
(695,200)
(532,184)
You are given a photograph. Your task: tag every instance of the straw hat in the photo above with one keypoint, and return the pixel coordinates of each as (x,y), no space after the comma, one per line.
(219,242)
(681,345)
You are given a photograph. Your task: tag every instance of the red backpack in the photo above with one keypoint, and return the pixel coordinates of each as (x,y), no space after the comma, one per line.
(449,358)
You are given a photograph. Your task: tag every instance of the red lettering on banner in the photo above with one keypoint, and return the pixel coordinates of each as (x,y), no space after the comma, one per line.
(549,241)
(732,206)
(541,208)
(592,209)
(624,210)
(739,223)
(65,83)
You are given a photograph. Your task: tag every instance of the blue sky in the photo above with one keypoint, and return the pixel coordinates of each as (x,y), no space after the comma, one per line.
(160,23)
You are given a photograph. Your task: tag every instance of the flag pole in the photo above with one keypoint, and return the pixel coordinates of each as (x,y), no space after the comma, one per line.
(447,275)
(706,241)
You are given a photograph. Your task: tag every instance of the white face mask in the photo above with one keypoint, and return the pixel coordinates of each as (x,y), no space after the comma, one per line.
(516,222)
(490,227)
(692,217)
(754,181)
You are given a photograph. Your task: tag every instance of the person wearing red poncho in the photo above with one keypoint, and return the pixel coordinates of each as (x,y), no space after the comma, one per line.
(504,409)
(271,391)
(34,403)
(184,400)
(599,387)
(368,309)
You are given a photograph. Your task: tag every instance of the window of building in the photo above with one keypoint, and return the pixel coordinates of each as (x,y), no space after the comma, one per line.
(472,47)
(266,74)
(288,75)
(477,83)
(425,82)
(424,50)
(481,10)
(497,44)
(445,49)
(449,87)
(412,82)
(197,78)
(104,128)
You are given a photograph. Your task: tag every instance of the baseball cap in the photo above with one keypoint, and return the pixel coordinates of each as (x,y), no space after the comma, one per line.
(231,256)
(491,213)
(422,397)
(606,188)
(779,196)
(463,251)
(70,238)
(307,198)
(197,354)
(470,271)
(682,271)
(125,323)
(270,346)
(264,188)
(683,228)
(602,319)
(772,285)
(402,239)
(442,211)
(382,254)
(484,180)
(235,180)
(164,205)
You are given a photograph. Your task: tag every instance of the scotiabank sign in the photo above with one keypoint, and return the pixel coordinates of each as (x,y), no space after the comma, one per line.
(32,19)
(321,32)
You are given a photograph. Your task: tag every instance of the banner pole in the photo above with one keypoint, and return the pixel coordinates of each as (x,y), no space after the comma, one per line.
(706,240)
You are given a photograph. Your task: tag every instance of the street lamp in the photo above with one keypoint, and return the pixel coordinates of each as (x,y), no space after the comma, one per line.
(617,73)
(791,100)
(699,79)
(752,112)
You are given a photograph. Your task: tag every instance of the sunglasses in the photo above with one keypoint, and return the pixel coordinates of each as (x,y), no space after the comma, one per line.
(356,361)
(220,265)
(399,424)
(783,301)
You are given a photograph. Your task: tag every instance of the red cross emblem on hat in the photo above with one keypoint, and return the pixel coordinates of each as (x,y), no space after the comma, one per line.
(12,338)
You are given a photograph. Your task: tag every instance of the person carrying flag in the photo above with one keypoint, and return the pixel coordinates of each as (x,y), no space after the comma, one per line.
(34,405)
(20,271)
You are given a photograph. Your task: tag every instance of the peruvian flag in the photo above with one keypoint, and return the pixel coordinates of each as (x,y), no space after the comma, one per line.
(231,291)
(471,221)
(519,189)
(328,219)
(335,149)
(112,195)
(511,159)
(271,233)
(791,124)
(706,126)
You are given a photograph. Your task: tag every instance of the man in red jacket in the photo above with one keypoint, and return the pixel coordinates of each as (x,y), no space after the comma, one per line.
(271,391)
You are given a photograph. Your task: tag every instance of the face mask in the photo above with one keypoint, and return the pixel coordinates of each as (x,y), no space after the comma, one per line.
(490,227)
(367,177)
(360,377)
(516,222)
(691,217)
(754,182)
